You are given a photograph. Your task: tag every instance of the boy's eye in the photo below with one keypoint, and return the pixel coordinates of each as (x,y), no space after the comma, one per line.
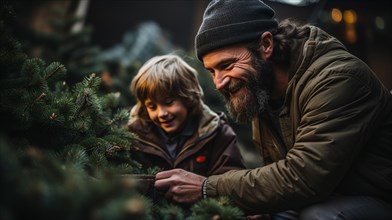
(169,101)
(151,106)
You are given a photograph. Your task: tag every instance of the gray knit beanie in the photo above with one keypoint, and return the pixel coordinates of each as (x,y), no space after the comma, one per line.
(227,22)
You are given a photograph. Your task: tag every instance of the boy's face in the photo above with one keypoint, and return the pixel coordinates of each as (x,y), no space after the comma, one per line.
(169,113)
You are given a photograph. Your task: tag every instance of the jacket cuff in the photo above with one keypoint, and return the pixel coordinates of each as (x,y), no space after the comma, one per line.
(211,186)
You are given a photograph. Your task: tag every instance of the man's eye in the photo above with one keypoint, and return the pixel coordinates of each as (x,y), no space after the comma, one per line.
(228,66)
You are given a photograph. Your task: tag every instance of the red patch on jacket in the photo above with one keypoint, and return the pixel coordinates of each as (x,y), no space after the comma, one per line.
(201,159)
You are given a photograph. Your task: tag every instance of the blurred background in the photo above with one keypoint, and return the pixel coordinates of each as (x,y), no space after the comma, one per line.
(113,38)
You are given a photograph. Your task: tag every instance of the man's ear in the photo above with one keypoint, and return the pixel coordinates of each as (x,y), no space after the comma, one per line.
(266,45)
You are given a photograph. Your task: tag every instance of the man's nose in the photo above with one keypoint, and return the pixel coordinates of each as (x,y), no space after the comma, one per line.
(220,80)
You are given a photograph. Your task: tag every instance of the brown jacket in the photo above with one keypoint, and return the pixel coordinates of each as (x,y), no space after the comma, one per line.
(335,135)
(213,149)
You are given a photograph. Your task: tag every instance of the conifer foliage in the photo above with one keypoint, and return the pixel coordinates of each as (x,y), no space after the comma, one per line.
(64,149)
(67,44)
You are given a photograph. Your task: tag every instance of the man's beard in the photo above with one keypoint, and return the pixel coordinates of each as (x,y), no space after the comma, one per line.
(257,89)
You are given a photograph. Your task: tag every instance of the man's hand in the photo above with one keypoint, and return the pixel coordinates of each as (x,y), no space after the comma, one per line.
(181,186)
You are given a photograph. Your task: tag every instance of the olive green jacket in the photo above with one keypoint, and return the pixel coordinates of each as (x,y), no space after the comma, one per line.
(335,137)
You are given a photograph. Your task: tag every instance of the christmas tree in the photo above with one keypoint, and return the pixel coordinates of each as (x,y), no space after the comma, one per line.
(64,150)
(65,39)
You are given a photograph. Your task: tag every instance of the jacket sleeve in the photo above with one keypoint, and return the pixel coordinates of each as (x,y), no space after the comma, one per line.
(225,150)
(337,114)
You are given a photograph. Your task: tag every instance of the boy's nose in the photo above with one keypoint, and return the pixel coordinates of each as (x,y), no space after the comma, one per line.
(162,112)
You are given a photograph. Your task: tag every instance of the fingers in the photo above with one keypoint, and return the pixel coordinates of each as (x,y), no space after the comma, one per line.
(180,185)
(167,174)
(164,179)
(173,176)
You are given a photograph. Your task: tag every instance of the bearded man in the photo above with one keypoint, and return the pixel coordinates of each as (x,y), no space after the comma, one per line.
(321,119)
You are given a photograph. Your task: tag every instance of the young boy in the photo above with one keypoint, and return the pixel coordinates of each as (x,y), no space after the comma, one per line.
(175,128)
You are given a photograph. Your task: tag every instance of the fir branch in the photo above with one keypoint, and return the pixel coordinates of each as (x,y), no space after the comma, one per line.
(119,118)
(32,68)
(33,102)
(171,212)
(76,157)
(57,69)
(86,94)
(215,208)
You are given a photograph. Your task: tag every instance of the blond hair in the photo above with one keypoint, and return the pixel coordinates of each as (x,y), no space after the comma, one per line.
(166,76)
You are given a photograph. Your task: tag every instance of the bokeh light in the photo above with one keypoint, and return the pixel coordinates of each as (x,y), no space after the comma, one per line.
(336,15)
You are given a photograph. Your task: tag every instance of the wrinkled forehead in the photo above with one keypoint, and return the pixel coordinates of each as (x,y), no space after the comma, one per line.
(229,53)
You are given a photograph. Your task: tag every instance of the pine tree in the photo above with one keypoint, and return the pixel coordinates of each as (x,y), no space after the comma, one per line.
(54,142)
(64,150)
(70,46)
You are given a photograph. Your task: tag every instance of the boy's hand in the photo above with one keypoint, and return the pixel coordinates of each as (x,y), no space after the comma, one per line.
(181,186)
